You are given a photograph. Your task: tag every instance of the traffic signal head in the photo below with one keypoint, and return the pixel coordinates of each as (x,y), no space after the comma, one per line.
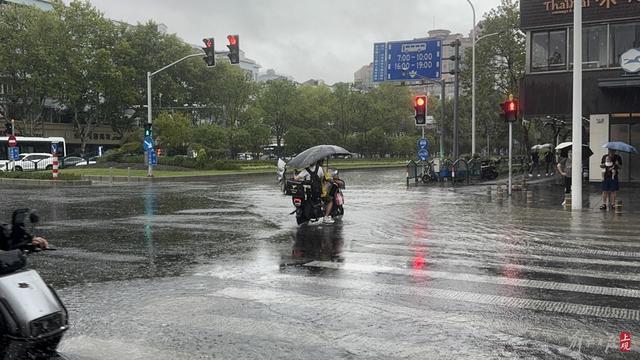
(234,48)
(510,110)
(8,129)
(210,51)
(148,130)
(420,107)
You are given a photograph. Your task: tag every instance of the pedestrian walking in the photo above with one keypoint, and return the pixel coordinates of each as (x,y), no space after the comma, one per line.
(535,163)
(564,168)
(611,165)
(548,159)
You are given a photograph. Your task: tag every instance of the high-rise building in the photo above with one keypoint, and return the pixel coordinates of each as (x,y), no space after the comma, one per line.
(447,65)
(363,78)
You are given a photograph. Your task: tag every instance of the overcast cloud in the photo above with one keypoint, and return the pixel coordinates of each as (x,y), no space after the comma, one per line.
(321,39)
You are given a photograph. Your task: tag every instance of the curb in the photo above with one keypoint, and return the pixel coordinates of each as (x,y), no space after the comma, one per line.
(45,183)
(140,179)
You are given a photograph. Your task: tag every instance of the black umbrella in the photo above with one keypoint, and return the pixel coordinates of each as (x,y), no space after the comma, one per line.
(314,154)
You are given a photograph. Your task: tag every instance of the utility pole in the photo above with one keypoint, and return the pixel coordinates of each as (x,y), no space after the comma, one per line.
(576,161)
(456,73)
(149,110)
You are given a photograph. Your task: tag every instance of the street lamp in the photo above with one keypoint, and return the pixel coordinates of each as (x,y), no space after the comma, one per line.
(473,81)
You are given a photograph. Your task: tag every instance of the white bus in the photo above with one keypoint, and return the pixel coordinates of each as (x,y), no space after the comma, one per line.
(28,144)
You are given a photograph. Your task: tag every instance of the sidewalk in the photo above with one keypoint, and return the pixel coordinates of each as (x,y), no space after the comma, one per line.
(548,193)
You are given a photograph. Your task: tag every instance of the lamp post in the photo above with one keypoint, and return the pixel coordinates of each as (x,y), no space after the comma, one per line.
(473,81)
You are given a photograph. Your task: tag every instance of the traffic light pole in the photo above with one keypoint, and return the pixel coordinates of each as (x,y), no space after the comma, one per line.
(510,157)
(13,133)
(149,110)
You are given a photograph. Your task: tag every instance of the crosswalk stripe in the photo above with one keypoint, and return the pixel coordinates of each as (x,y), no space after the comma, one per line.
(510,247)
(279,296)
(546,258)
(531,268)
(496,280)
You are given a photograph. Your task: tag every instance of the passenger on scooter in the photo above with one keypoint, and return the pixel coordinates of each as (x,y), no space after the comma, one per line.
(316,175)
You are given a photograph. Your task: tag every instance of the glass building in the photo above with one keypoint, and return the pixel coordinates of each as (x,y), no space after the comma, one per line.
(611,81)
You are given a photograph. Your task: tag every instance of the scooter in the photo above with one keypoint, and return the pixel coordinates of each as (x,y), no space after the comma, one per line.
(33,319)
(310,207)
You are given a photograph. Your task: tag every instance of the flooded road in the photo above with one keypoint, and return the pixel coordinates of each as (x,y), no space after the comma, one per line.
(220,270)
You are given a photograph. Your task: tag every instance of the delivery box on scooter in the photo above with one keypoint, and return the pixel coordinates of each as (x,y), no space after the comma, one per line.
(294,188)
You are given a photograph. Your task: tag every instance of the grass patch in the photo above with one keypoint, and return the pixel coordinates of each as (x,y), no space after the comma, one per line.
(37,175)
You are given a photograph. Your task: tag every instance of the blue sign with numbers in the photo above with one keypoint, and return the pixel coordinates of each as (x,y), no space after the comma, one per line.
(423,143)
(152,157)
(414,60)
(14,153)
(379,63)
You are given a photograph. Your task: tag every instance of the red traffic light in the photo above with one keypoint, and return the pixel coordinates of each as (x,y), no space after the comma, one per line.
(420,101)
(233,39)
(420,106)
(510,110)
(208,43)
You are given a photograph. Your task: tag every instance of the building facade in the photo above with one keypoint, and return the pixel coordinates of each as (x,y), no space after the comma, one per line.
(447,65)
(611,92)
(41,4)
(363,78)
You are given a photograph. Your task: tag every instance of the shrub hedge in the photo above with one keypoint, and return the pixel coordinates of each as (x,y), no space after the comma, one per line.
(37,175)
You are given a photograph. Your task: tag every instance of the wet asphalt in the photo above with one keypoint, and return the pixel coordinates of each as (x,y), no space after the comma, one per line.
(219,270)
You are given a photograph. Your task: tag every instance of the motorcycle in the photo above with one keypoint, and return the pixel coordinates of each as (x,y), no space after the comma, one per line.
(310,207)
(33,319)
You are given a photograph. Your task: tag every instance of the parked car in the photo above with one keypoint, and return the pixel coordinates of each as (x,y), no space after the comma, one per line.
(70,161)
(32,161)
(84,162)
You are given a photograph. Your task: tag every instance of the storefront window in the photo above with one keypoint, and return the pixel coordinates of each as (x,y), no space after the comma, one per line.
(594,47)
(623,37)
(549,51)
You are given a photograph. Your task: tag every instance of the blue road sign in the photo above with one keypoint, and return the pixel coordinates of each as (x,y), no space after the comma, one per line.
(423,154)
(54,148)
(148,143)
(152,157)
(423,143)
(414,60)
(14,153)
(379,63)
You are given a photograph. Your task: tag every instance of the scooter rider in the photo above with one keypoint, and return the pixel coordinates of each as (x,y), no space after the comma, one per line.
(315,174)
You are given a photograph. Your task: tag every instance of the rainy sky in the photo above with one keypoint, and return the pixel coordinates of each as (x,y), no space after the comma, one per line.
(326,39)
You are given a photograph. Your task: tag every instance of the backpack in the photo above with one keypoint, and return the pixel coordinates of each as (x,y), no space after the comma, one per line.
(316,184)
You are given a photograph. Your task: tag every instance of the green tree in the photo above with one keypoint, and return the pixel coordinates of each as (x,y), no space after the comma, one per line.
(173,132)
(212,138)
(278,102)
(28,63)
(258,136)
(500,64)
